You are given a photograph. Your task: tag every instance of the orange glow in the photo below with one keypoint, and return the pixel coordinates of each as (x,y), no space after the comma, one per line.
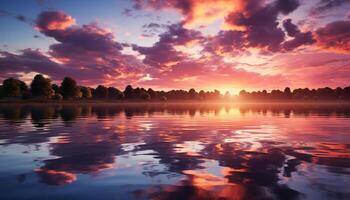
(56,177)
(207,11)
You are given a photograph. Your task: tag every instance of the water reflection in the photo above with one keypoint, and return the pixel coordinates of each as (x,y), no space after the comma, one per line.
(176,151)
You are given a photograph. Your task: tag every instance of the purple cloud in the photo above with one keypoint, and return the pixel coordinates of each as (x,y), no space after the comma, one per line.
(88,53)
(260,22)
(335,36)
(299,38)
(163,51)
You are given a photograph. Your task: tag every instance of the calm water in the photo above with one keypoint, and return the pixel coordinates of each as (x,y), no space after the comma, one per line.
(174,152)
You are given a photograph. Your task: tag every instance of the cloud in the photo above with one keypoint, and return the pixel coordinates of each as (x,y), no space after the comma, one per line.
(163,51)
(88,53)
(335,36)
(299,38)
(54,20)
(182,57)
(326,5)
(21,18)
(176,69)
(152,29)
(226,42)
(127,12)
(209,73)
(259,20)
(250,24)
(196,13)
(28,60)
(89,48)
(314,69)
(292,29)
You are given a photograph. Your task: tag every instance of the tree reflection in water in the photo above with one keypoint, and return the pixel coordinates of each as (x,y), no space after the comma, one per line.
(193,151)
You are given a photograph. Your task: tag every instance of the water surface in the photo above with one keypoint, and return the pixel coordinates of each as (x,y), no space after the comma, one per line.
(174,151)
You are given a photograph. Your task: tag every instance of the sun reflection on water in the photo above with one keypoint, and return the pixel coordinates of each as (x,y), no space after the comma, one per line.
(177,151)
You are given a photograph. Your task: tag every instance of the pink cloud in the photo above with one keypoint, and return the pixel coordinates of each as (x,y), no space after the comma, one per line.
(54,20)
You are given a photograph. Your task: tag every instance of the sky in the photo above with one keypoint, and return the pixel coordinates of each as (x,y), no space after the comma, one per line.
(227,45)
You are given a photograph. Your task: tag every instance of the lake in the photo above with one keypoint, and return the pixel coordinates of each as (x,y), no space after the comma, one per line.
(174,151)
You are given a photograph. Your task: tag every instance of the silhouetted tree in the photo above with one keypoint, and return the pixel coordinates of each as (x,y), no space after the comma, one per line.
(129,92)
(41,87)
(56,89)
(277,94)
(69,88)
(339,93)
(346,93)
(201,95)
(85,92)
(243,93)
(144,95)
(299,94)
(287,93)
(153,94)
(13,88)
(325,93)
(114,93)
(57,97)
(227,96)
(101,92)
(1,92)
(192,94)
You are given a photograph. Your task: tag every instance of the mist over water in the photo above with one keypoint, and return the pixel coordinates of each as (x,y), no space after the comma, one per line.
(174,151)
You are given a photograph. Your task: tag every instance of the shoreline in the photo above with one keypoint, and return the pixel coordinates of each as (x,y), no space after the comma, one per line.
(174,102)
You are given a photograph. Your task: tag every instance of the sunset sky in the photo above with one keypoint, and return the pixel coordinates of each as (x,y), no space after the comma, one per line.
(179,44)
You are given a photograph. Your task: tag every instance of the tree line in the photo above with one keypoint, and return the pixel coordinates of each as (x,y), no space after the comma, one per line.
(325,93)
(42,88)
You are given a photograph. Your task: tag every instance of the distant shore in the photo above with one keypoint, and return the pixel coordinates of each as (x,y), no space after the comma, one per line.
(190,102)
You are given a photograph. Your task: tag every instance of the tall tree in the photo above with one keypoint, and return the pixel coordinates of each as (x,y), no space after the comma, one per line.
(69,88)
(129,92)
(41,87)
(153,94)
(192,94)
(1,92)
(85,92)
(287,93)
(114,93)
(56,89)
(13,88)
(101,92)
